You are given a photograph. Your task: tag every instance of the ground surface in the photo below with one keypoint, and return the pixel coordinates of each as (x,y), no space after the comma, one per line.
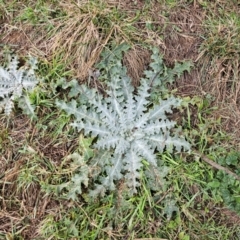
(68,38)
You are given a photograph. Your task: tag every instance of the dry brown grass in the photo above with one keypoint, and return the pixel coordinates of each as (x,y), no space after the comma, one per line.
(82,39)
(219,64)
(79,37)
(83,34)
(222,83)
(183,33)
(25,154)
(216,58)
(136,60)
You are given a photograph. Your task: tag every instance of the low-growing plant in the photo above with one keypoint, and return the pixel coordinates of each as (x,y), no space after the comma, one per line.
(224,185)
(13,81)
(126,126)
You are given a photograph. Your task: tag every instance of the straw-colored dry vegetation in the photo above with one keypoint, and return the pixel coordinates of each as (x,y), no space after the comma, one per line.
(67,37)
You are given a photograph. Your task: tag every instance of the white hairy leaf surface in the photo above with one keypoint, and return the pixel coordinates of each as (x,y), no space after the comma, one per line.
(126,124)
(13,80)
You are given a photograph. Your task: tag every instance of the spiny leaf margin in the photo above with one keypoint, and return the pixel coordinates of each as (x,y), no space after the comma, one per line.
(124,125)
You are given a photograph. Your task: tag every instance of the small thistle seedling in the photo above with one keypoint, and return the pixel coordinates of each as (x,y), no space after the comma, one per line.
(13,80)
(127,129)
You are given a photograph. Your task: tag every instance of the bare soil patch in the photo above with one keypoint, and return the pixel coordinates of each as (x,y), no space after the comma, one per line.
(182,42)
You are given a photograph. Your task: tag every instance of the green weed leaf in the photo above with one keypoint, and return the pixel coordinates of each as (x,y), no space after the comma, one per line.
(122,124)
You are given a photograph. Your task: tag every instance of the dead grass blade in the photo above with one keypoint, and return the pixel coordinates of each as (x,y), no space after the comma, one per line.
(136,60)
(217,166)
(83,34)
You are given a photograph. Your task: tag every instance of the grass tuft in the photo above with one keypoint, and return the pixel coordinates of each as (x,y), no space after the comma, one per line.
(85,30)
